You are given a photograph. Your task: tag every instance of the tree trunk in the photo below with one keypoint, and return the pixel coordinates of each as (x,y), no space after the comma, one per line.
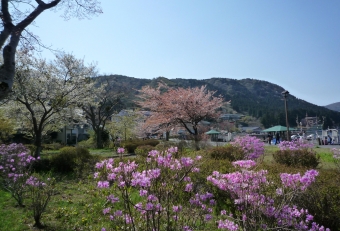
(99,140)
(37,144)
(196,137)
(167,135)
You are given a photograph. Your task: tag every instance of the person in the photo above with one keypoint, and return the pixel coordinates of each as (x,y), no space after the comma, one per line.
(277,141)
(329,139)
(270,138)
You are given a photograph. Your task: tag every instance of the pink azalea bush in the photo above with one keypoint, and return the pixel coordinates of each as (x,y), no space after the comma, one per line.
(40,193)
(252,146)
(164,195)
(297,153)
(258,208)
(15,169)
(295,145)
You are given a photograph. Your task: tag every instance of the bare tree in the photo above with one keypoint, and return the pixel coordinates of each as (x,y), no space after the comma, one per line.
(15,22)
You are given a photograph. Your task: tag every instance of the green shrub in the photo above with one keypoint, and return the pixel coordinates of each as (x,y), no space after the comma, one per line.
(322,199)
(42,165)
(229,152)
(165,145)
(299,158)
(144,150)
(151,142)
(130,146)
(53,146)
(31,148)
(70,158)
(89,143)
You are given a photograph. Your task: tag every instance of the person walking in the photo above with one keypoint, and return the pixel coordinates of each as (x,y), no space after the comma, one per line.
(277,138)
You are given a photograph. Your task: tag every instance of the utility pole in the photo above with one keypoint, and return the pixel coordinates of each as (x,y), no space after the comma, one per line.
(285,94)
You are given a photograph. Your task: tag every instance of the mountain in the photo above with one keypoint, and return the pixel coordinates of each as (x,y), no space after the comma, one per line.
(334,106)
(256,98)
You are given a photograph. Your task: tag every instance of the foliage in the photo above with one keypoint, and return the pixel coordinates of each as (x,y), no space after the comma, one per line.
(40,194)
(336,157)
(6,127)
(229,152)
(252,146)
(46,94)
(302,158)
(296,154)
(143,150)
(166,200)
(104,102)
(131,146)
(17,16)
(15,169)
(70,159)
(53,146)
(179,106)
(295,145)
(258,210)
(123,125)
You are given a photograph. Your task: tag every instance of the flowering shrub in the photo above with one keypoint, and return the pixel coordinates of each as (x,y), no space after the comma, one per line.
(40,194)
(143,150)
(295,145)
(166,199)
(15,169)
(264,211)
(252,146)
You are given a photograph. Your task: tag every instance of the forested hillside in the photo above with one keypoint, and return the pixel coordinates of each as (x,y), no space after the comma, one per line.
(334,106)
(257,98)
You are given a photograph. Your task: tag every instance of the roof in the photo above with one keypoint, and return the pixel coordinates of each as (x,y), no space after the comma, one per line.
(278,128)
(211,132)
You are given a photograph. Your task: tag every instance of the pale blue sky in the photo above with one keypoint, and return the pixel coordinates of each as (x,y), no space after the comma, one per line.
(291,43)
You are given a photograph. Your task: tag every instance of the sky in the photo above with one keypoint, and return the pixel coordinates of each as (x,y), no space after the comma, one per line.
(292,43)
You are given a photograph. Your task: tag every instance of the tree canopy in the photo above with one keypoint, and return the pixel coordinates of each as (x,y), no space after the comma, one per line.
(180,106)
(17,15)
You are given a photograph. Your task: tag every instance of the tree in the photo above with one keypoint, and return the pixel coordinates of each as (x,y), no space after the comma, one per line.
(16,17)
(46,94)
(180,106)
(99,110)
(123,124)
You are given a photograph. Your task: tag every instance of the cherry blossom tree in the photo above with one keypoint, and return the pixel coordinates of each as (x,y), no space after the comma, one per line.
(180,106)
(100,108)
(46,94)
(17,15)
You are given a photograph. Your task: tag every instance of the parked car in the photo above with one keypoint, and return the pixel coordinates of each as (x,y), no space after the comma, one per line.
(310,137)
(296,137)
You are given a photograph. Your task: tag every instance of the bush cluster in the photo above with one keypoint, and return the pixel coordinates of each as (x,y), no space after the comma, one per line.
(323,199)
(228,152)
(143,150)
(131,145)
(297,158)
(70,158)
(53,146)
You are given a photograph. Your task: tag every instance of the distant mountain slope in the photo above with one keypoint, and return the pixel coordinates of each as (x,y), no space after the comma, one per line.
(334,106)
(257,98)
